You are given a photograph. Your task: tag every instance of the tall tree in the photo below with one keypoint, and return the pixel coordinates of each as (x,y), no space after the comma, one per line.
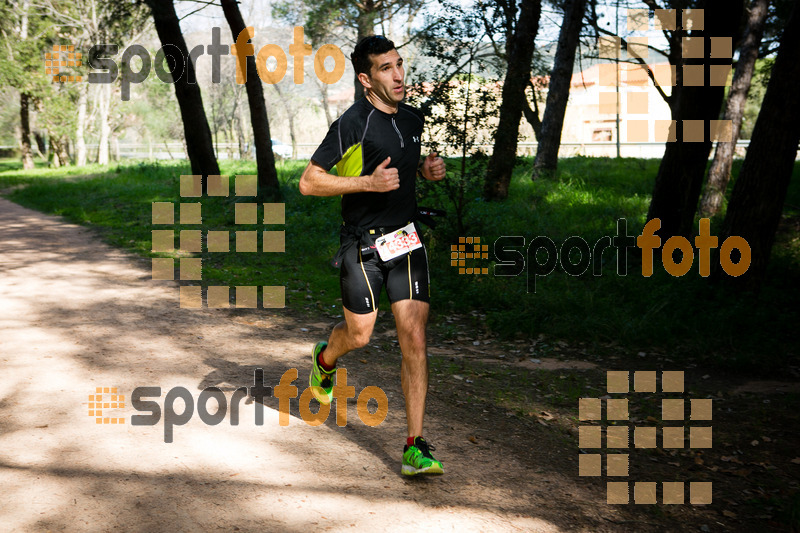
(265,159)
(19,56)
(520,54)
(455,101)
(190,100)
(760,190)
(680,174)
(89,22)
(546,160)
(295,13)
(720,171)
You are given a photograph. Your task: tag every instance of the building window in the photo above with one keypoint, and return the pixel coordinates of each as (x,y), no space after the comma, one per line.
(601,135)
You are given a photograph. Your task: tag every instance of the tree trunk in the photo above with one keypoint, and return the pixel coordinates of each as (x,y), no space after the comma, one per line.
(59,150)
(55,151)
(680,175)
(231,136)
(291,114)
(546,160)
(40,145)
(504,155)
(365,26)
(240,126)
(25,137)
(265,160)
(720,172)
(326,106)
(104,109)
(115,146)
(190,100)
(63,150)
(532,114)
(760,190)
(80,141)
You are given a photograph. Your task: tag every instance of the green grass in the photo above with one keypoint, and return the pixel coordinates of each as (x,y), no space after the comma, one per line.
(685,317)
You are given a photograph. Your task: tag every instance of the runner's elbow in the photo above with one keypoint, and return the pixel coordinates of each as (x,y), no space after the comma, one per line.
(305,185)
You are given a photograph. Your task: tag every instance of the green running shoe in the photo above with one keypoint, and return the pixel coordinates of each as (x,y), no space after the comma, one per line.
(320,380)
(417,459)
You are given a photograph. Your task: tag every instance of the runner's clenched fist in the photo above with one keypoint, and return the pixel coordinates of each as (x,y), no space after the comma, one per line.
(385,179)
(433,167)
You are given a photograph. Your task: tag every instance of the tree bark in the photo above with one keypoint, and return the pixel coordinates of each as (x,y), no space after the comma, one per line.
(63,150)
(104,110)
(532,114)
(59,151)
(546,160)
(55,151)
(760,191)
(265,159)
(720,172)
(195,125)
(115,146)
(80,129)
(680,175)
(291,114)
(243,140)
(326,103)
(518,73)
(40,146)
(25,137)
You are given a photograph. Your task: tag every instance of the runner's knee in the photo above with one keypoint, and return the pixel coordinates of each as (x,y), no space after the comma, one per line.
(417,345)
(360,339)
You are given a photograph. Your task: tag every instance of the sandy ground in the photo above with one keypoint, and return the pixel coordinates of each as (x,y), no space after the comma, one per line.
(76,314)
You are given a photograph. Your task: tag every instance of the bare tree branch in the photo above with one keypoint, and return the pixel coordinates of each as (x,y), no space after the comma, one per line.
(639,60)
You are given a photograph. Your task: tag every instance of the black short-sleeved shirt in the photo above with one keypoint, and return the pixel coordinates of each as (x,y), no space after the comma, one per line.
(361,139)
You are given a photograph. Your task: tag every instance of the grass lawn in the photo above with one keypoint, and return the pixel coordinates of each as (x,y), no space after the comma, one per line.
(684,317)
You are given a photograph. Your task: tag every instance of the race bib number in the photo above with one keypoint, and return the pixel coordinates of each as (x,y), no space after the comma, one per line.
(398,242)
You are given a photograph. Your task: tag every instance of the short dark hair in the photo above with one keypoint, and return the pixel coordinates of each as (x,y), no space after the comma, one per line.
(371,45)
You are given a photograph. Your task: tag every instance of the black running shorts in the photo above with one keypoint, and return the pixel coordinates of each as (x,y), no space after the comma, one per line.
(362,278)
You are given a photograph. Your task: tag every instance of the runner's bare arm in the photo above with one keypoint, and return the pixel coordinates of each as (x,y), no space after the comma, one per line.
(315,181)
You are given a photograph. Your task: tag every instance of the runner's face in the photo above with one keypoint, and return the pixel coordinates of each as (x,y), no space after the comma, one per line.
(386,77)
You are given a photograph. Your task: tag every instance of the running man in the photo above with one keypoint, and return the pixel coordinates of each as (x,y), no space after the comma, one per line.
(375,146)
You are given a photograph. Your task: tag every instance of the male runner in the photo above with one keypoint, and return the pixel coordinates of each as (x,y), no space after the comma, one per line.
(375,146)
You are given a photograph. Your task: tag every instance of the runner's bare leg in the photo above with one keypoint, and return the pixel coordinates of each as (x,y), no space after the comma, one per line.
(411,317)
(354,332)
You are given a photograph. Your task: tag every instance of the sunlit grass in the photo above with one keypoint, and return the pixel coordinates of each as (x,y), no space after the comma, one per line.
(685,317)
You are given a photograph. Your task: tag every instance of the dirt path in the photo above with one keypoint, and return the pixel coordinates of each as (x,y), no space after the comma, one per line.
(76,314)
